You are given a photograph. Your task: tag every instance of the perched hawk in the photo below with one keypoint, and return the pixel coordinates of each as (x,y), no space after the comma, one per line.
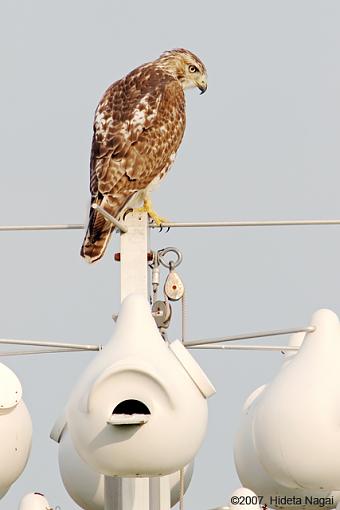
(138,127)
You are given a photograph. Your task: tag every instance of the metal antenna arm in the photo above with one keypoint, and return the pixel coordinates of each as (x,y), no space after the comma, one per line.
(58,345)
(246,336)
(109,217)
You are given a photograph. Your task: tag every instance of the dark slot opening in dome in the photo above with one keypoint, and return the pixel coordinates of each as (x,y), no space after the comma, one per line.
(131,407)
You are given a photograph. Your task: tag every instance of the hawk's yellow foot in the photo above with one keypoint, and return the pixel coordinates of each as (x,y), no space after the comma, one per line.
(147,207)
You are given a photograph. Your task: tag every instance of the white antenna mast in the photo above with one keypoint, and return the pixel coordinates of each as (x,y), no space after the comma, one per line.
(150,492)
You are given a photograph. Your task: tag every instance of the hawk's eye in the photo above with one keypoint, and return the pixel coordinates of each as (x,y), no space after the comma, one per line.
(192,69)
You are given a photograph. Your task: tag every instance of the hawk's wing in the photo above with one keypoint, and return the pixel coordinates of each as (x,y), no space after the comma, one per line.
(139,124)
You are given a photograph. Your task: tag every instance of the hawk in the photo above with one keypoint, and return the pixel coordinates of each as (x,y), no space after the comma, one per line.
(138,127)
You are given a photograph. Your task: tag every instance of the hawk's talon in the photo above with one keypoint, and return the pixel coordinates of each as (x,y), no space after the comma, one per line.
(129,210)
(147,207)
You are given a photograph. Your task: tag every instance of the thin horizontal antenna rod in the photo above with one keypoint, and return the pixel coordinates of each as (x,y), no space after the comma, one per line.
(78,226)
(203,346)
(71,226)
(39,351)
(108,216)
(247,347)
(266,223)
(61,345)
(246,336)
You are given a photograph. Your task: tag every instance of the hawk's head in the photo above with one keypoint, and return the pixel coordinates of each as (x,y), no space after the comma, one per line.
(186,67)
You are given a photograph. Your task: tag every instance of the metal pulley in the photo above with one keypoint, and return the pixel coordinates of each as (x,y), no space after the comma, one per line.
(161,311)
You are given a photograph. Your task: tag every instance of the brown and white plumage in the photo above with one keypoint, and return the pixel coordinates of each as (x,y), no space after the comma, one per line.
(138,127)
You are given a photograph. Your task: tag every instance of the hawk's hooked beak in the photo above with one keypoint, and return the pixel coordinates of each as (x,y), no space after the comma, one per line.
(203,87)
(202,83)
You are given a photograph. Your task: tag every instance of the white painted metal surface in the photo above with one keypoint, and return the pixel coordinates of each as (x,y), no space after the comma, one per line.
(137,364)
(288,443)
(133,255)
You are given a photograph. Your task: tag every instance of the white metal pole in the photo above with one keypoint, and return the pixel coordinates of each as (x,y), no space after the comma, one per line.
(113,492)
(159,493)
(133,255)
(126,493)
(135,493)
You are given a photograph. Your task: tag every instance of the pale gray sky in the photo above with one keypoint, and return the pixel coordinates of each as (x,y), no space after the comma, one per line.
(262,143)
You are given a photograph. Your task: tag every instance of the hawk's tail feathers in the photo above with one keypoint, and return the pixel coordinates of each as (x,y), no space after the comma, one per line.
(97,236)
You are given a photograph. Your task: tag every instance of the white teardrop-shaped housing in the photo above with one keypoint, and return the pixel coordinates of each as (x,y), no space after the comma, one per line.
(137,411)
(288,443)
(15,429)
(34,501)
(10,388)
(86,487)
(244,499)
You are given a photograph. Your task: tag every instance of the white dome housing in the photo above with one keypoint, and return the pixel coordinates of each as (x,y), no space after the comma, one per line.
(34,501)
(288,443)
(137,411)
(244,499)
(15,429)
